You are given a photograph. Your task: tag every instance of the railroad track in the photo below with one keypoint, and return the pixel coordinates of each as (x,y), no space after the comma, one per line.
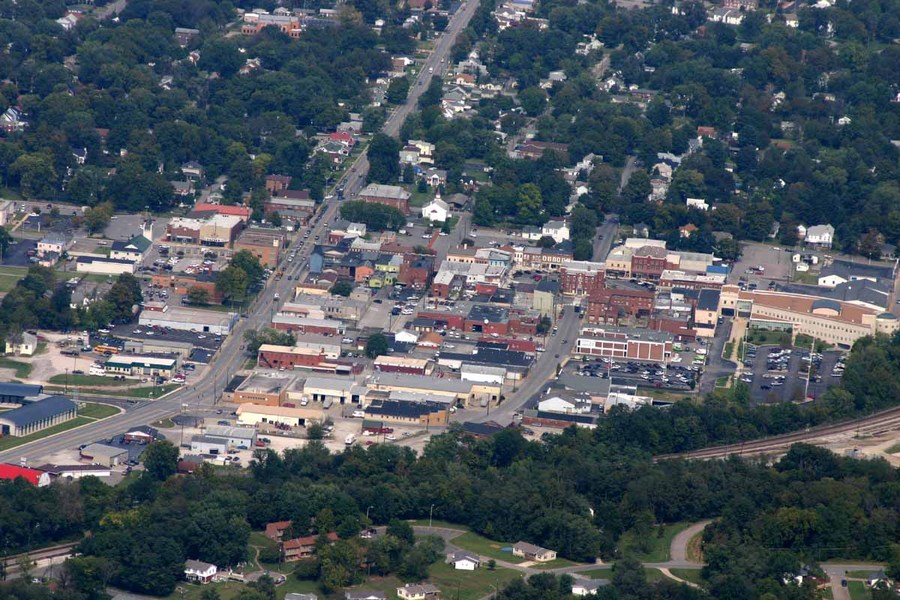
(875,424)
(14,562)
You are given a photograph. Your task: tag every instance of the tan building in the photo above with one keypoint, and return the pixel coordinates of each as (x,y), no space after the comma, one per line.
(264,244)
(832,321)
(259,416)
(265,389)
(706,313)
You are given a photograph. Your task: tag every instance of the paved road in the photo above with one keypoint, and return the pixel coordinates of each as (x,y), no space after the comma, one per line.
(541,372)
(630,167)
(606,235)
(716,365)
(232,357)
(678,550)
(356,178)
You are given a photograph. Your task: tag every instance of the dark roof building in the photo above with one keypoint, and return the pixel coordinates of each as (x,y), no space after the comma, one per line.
(16,393)
(708,300)
(37,416)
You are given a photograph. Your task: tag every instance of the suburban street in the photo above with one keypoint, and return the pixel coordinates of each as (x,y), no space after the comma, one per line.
(231,357)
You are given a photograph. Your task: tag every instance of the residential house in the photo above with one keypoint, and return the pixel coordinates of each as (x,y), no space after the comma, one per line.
(558,230)
(304,547)
(463,560)
(133,250)
(192,170)
(820,235)
(275,530)
(436,210)
(24,347)
(52,244)
(185,35)
(533,552)
(364,595)
(587,587)
(12,120)
(298,596)
(697,203)
(275,184)
(197,571)
(418,591)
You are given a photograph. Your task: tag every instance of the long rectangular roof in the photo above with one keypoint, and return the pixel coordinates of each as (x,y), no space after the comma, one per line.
(38,411)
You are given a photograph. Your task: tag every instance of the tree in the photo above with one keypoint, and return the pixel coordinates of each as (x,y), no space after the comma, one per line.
(123,296)
(249,264)
(398,90)
(376,345)
(546,242)
(97,218)
(342,288)
(377,217)
(232,282)
(384,159)
(5,240)
(533,101)
(255,338)
(315,431)
(198,295)
(160,460)
(88,576)
(529,205)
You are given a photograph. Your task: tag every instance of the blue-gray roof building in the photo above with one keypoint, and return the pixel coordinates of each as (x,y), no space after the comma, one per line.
(37,416)
(19,393)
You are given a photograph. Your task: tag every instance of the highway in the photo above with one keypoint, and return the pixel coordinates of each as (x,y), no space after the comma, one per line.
(231,357)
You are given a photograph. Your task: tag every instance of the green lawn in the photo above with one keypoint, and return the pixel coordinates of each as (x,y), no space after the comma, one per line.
(607,573)
(418,200)
(141,392)
(893,449)
(728,350)
(94,410)
(166,423)
(485,547)
(8,282)
(660,543)
(762,337)
(858,590)
(692,575)
(722,382)
(436,523)
(23,370)
(87,380)
(11,442)
(470,585)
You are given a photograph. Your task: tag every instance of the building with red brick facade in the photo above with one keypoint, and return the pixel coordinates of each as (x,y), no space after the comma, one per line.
(580,278)
(275,357)
(648,262)
(610,303)
(390,195)
(623,342)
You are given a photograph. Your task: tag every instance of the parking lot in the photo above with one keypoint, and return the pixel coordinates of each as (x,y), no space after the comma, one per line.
(671,377)
(779,375)
(775,260)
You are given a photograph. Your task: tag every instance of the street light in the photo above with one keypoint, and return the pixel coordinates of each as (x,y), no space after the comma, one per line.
(430,515)
(367,512)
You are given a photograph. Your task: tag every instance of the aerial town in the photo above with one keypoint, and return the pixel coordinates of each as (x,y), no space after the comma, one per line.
(482,299)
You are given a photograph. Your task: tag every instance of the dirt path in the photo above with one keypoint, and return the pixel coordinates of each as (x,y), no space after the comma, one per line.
(678,551)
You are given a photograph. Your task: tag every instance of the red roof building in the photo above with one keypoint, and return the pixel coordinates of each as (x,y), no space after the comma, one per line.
(224,209)
(33,476)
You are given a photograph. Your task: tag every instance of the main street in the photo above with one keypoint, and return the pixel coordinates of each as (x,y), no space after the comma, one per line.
(231,357)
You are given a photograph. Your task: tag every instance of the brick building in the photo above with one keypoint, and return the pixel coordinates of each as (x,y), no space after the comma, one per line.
(609,304)
(648,262)
(264,244)
(390,195)
(623,342)
(580,278)
(275,357)
(182,283)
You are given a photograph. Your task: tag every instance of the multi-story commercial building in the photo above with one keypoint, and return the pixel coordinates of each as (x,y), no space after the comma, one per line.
(627,343)
(580,278)
(609,304)
(264,244)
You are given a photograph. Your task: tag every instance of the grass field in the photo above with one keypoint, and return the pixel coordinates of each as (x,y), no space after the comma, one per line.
(166,423)
(485,547)
(893,449)
(23,370)
(94,410)
(141,392)
(468,585)
(11,442)
(660,543)
(692,575)
(858,590)
(87,380)
(607,573)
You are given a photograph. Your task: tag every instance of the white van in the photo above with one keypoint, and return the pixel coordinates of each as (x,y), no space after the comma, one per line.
(97,370)
(350,440)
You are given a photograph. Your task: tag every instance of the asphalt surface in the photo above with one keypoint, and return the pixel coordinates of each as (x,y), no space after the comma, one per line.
(606,235)
(231,358)
(541,372)
(716,366)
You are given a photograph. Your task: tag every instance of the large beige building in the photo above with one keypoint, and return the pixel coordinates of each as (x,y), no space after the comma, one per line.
(832,321)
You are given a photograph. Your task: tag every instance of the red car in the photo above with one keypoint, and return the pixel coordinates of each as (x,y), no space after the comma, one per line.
(537,277)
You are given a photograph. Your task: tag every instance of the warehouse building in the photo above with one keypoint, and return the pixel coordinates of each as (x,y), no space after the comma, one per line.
(239,437)
(207,444)
(131,364)
(190,319)
(290,357)
(464,393)
(400,364)
(37,416)
(100,265)
(19,393)
(256,415)
(107,456)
